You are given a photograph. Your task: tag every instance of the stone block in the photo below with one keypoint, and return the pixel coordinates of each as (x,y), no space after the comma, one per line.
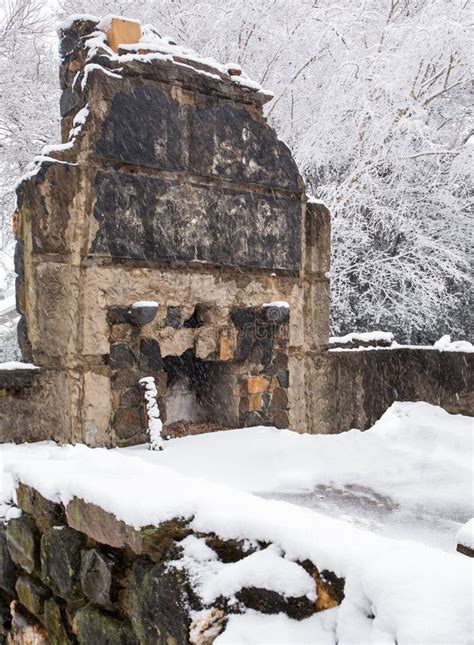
(129,422)
(256,384)
(23,542)
(61,560)
(247,229)
(96,577)
(279,398)
(281,419)
(32,594)
(56,624)
(25,629)
(465,550)
(173,317)
(105,528)
(227,344)
(159,603)
(283,378)
(95,627)
(205,343)
(45,512)
(142,314)
(8,570)
(121,356)
(255,402)
(123,32)
(270,602)
(150,356)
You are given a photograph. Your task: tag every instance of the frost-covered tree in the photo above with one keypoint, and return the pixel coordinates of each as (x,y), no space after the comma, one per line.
(372,97)
(29,95)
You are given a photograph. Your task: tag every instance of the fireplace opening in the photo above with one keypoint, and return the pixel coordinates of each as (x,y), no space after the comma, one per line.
(198,397)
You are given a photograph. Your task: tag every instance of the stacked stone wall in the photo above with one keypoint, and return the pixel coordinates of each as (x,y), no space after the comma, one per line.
(76,574)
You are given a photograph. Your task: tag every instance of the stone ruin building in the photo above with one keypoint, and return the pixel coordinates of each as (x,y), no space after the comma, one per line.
(172,189)
(170,236)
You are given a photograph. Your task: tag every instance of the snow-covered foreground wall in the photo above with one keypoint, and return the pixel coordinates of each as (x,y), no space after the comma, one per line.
(235,555)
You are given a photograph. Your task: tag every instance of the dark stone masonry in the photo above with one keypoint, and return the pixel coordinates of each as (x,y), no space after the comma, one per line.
(79,575)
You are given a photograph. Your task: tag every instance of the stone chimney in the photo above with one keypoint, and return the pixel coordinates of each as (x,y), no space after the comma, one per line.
(168,236)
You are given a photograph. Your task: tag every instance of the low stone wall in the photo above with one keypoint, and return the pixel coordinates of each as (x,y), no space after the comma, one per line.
(356,387)
(32,405)
(78,574)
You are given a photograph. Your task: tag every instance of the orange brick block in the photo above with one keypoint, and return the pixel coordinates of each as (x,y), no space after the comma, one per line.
(256,384)
(227,344)
(255,402)
(123,32)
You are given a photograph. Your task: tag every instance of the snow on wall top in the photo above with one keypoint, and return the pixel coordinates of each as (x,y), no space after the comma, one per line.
(152,47)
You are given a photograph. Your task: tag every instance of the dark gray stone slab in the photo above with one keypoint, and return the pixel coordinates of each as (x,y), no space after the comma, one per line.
(146,128)
(147,218)
(227,143)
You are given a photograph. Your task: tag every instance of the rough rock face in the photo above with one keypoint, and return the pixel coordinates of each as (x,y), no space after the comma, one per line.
(98,580)
(170,188)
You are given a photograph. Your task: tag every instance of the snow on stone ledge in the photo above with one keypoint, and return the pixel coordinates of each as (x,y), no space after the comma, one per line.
(17,365)
(363,337)
(444,344)
(277,303)
(465,535)
(374,340)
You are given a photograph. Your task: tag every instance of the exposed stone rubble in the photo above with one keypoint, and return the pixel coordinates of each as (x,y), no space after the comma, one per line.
(79,575)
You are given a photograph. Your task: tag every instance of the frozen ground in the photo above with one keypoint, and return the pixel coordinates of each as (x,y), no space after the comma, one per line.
(409,476)
(384,510)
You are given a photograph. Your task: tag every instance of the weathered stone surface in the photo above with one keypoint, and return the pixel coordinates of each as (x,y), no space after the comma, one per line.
(24,629)
(143,314)
(355,388)
(45,512)
(121,356)
(32,594)
(17,379)
(256,384)
(105,528)
(136,219)
(53,618)
(271,602)
(5,620)
(281,419)
(160,604)
(150,356)
(36,413)
(132,134)
(227,143)
(465,550)
(61,559)
(23,542)
(206,628)
(93,626)
(96,577)
(8,570)
(329,588)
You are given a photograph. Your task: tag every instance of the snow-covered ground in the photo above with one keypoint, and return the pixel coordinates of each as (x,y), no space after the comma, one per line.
(381,508)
